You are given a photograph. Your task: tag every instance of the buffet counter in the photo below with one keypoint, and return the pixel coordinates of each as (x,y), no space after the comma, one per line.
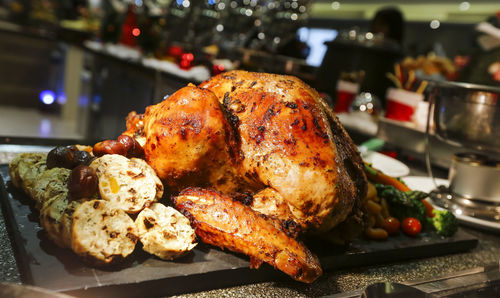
(486,253)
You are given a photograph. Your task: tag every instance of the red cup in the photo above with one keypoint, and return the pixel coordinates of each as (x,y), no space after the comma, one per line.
(401,104)
(346,91)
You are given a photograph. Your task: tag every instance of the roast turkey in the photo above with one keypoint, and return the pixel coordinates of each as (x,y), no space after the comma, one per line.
(268,140)
(269,135)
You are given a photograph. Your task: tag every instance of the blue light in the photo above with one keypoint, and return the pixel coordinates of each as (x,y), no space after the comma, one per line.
(211,2)
(83,101)
(97,99)
(179,2)
(61,99)
(48,97)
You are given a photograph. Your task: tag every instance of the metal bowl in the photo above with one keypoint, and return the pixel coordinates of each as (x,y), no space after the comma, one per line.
(467,115)
(476,177)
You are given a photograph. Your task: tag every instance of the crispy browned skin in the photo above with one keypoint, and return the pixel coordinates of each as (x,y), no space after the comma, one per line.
(189,141)
(292,143)
(220,221)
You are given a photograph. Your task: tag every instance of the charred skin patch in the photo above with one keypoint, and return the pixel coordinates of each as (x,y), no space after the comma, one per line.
(244,198)
(183,133)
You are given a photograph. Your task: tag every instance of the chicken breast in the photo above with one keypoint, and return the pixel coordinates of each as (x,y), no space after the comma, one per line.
(223,222)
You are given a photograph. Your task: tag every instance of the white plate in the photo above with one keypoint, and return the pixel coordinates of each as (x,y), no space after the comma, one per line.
(423,183)
(426,184)
(386,164)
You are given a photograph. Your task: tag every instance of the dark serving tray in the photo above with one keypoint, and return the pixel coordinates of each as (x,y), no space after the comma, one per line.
(42,263)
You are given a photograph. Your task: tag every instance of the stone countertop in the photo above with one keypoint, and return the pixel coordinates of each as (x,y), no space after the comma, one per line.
(487,252)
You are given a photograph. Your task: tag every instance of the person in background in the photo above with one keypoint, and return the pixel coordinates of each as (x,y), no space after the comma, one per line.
(389,21)
(484,65)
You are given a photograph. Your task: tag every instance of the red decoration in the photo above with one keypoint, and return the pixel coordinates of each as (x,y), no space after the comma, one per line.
(129,25)
(188,57)
(218,68)
(175,51)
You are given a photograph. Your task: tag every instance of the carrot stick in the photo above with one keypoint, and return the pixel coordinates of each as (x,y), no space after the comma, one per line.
(428,208)
(379,177)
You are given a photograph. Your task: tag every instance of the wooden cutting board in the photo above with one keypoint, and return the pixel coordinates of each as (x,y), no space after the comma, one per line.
(43,264)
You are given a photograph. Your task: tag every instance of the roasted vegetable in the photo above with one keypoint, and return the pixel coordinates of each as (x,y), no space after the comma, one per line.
(377,176)
(444,222)
(403,204)
(428,208)
(391,225)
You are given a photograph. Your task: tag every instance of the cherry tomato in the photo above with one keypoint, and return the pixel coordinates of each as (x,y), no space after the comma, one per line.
(411,226)
(391,225)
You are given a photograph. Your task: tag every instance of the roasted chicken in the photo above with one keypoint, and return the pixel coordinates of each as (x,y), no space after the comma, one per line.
(269,133)
(223,222)
(268,136)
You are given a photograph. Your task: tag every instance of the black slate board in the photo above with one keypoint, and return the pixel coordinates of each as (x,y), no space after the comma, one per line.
(42,263)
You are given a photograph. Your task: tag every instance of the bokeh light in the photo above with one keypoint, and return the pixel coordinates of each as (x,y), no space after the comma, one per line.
(48,97)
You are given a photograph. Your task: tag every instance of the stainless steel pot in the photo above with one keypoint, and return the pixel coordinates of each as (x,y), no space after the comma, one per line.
(467,115)
(476,177)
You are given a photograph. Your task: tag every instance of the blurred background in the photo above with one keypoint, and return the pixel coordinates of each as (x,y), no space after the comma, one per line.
(72,70)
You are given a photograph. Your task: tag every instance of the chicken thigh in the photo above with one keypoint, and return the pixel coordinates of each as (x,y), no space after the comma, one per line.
(189,142)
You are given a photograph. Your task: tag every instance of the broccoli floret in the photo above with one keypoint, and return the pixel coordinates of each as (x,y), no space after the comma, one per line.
(403,204)
(444,222)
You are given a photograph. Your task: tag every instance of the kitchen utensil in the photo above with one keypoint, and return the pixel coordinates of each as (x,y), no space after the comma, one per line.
(476,282)
(467,115)
(389,289)
(476,177)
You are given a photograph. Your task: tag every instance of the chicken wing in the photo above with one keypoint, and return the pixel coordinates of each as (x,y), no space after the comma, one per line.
(223,222)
